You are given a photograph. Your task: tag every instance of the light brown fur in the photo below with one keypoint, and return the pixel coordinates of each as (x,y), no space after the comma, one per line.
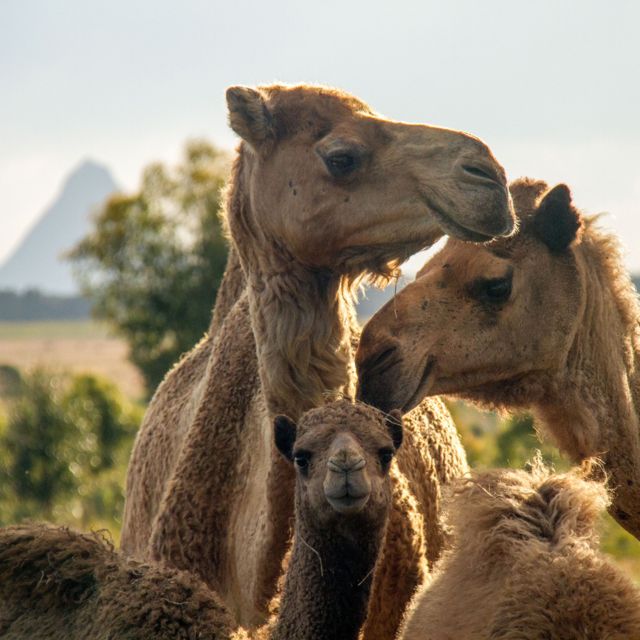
(565,342)
(525,565)
(205,489)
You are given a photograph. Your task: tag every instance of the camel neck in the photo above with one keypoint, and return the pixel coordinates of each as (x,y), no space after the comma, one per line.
(327,586)
(302,323)
(302,317)
(596,407)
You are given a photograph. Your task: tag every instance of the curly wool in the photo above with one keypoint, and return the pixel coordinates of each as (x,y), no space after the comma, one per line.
(525,565)
(59,584)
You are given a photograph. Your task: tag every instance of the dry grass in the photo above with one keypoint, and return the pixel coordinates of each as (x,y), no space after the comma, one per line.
(80,347)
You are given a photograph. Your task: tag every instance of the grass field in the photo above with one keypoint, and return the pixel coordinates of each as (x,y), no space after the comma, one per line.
(88,329)
(77,346)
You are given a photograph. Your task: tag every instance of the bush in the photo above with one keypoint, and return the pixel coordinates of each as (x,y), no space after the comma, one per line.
(63,451)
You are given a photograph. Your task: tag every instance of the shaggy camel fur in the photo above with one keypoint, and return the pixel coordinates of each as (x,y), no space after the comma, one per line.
(322,192)
(343,495)
(547,320)
(55,583)
(525,565)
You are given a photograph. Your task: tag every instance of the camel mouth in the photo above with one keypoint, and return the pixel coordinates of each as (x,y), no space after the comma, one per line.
(380,362)
(452,228)
(348,504)
(422,389)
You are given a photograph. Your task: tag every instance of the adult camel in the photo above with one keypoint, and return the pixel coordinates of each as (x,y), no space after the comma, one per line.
(323,192)
(547,320)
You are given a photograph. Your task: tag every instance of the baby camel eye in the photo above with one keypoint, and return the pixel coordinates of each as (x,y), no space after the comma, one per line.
(491,290)
(341,164)
(386,456)
(301,459)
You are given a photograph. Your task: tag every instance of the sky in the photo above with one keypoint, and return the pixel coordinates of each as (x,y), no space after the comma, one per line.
(553,87)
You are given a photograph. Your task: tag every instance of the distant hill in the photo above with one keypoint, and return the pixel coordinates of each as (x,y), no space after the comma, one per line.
(37,262)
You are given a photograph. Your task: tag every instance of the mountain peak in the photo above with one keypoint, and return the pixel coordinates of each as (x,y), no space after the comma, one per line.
(88,173)
(37,262)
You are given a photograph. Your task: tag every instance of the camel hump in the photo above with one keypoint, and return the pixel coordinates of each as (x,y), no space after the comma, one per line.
(517,506)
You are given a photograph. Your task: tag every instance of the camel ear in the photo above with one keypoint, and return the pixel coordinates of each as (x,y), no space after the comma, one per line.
(249,116)
(285,431)
(556,221)
(393,420)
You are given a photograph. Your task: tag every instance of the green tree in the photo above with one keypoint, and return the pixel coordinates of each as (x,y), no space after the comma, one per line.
(64,446)
(95,408)
(35,445)
(154,261)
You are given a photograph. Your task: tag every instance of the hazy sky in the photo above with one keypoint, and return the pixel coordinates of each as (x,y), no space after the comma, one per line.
(553,87)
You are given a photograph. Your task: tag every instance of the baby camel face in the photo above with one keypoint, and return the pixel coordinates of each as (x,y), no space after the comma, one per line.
(342,453)
(480,320)
(339,186)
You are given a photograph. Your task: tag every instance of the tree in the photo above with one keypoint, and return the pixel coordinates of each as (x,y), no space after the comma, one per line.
(63,450)
(35,445)
(154,261)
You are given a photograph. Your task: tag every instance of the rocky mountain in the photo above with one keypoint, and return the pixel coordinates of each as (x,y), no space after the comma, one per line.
(37,262)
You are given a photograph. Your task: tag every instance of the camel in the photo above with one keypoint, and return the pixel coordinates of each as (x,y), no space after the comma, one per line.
(524,565)
(342,454)
(55,583)
(547,320)
(323,192)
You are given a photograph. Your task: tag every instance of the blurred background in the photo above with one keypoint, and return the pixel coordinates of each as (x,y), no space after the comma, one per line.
(114,147)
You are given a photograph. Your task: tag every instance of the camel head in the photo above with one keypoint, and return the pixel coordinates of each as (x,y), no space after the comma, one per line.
(490,322)
(336,186)
(342,453)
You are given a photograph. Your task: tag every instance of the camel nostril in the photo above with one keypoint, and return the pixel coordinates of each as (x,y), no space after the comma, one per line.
(484,173)
(345,463)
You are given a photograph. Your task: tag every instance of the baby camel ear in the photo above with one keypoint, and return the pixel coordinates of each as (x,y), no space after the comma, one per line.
(285,431)
(249,116)
(556,221)
(393,420)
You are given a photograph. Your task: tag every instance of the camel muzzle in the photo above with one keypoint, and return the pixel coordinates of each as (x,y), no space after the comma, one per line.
(347,486)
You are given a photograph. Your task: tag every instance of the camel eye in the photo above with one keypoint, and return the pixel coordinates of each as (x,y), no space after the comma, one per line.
(386,456)
(491,290)
(301,459)
(341,164)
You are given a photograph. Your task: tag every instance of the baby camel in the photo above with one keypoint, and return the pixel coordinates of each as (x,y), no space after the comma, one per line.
(343,495)
(547,320)
(524,565)
(56,584)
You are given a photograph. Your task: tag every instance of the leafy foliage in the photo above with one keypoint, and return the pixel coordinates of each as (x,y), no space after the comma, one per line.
(64,444)
(154,261)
